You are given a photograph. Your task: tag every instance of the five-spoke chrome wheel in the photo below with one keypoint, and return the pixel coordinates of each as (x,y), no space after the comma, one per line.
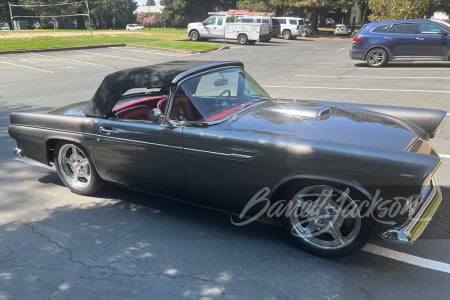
(75,169)
(326,220)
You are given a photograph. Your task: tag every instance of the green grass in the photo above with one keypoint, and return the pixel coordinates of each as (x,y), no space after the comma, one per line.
(174,39)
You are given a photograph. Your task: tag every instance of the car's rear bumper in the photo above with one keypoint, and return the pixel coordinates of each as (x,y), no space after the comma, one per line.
(356,53)
(412,228)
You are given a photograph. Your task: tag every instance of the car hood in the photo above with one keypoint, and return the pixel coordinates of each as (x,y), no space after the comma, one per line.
(315,121)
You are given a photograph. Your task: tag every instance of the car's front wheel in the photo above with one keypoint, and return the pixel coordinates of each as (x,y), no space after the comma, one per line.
(376,57)
(75,169)
(194,36)
(326,220)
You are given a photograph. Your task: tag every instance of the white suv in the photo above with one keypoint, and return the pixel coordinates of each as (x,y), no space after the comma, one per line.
(291,27)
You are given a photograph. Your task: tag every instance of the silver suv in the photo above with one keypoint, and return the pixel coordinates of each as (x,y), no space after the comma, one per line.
(291,27)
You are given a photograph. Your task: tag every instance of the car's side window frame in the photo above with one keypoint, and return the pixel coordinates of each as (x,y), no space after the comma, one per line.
(429,32)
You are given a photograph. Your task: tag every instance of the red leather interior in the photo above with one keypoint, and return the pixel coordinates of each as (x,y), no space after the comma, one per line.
(139,113)
(224,113)
(137,102)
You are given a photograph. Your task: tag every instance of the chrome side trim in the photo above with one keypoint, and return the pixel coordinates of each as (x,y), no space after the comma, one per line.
(413,227)
(109,137)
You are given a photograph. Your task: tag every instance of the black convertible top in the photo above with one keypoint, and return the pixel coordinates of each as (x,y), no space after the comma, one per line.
(161,75)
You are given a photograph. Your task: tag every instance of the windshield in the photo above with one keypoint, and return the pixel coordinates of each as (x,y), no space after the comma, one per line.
(220,93)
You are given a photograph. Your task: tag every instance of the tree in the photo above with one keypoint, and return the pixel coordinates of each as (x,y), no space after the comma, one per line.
(151,3)
(178,13)
(398,9)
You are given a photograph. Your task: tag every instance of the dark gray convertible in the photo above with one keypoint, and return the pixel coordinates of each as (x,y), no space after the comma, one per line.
(207,133)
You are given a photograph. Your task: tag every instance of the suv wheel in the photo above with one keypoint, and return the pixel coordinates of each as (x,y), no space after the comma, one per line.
(286,34)
(376,57)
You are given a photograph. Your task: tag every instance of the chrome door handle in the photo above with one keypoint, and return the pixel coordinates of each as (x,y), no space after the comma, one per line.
(419,39)
(387,38)
(106,130)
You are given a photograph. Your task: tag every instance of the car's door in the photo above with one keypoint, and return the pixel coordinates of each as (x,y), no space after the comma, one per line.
(401,40)
(141,154)
(220,167)
(214,27)
(430,41)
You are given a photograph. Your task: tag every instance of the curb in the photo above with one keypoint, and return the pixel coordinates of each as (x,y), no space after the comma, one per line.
(61,49)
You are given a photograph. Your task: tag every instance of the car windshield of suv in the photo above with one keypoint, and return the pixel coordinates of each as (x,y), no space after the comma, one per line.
(218,94)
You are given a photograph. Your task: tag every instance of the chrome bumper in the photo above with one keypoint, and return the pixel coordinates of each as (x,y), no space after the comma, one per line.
(18,152)
(412,228)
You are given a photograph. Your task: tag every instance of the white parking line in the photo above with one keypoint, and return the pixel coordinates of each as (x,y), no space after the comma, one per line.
(113,56)
(68,59)
(407,258)
(444,155)
(371,77)
(146,51)
(354,89)
(26,67)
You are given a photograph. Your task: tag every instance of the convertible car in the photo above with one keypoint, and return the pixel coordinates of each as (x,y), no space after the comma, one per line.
(205,132)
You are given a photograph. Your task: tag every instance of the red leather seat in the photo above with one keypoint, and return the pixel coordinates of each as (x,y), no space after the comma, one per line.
(182,109)
(139,113)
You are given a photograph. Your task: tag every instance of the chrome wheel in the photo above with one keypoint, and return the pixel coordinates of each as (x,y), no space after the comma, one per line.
(325,218)
(376,57)
(286,34)
(74,166)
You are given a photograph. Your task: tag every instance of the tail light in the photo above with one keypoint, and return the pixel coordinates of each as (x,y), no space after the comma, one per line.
(357,39)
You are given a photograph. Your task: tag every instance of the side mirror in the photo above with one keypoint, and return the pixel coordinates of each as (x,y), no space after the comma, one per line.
(155,115)
(443,33)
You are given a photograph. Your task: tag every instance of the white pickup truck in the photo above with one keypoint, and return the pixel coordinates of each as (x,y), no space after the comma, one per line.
(225,27)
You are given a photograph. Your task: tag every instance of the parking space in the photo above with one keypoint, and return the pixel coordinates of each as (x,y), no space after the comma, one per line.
(124,244)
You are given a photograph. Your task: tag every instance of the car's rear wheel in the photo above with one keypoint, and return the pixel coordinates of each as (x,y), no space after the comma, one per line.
(75,169)
(242,39)
(326,220)
(194,35)
(286,34)
(376,57)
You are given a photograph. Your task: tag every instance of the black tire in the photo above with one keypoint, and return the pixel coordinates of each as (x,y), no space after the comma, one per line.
(242,39)
(194,35)
(376,57)
(336,232)
(287,34)
(75,169)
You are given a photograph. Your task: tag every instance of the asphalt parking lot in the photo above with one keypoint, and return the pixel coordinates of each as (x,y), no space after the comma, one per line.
(125,244)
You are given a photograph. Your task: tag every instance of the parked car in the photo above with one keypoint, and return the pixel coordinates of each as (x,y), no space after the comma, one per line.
(274,26)
(381,42)
(207,133)
(329,22)
(5,26)
(291,27)
(340,29)
(134,27)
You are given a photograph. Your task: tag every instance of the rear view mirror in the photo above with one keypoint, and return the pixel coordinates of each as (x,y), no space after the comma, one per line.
(221,82)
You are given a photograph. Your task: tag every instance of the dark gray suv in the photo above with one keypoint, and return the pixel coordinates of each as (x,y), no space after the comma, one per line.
(422,39)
